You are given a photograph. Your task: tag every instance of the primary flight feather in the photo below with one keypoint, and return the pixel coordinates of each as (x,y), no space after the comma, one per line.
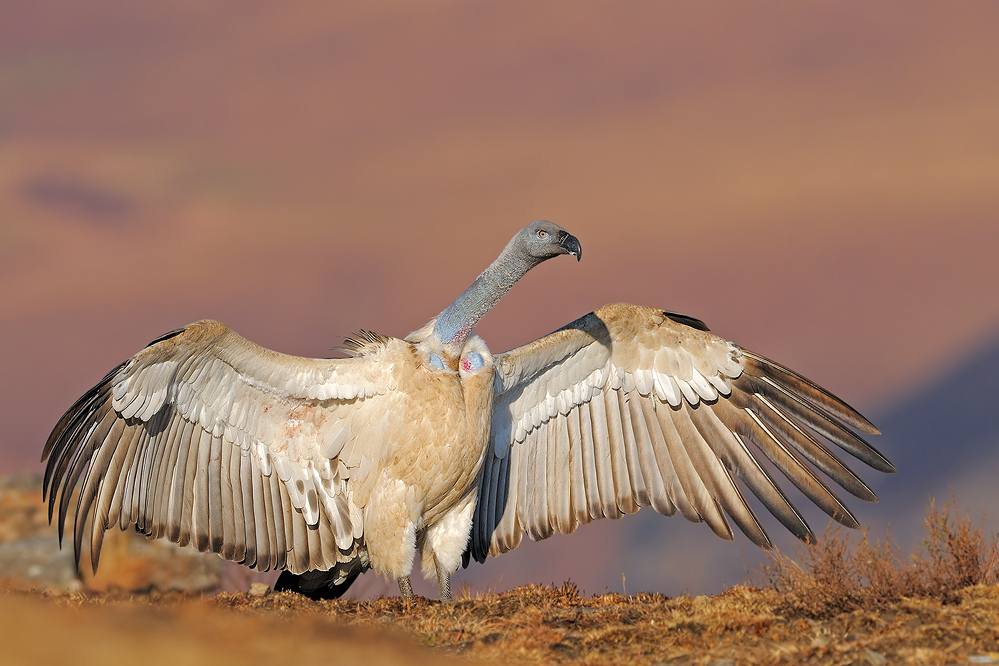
(325,468)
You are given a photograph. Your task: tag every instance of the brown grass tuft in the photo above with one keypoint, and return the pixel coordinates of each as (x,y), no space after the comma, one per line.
(835,576)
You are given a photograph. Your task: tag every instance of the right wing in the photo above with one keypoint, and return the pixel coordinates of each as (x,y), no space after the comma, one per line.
(206,438)
(632,406)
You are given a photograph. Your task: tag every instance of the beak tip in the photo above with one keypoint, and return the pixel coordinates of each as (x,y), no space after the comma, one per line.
(570,245)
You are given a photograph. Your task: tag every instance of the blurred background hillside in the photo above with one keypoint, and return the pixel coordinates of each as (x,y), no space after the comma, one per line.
(818,182)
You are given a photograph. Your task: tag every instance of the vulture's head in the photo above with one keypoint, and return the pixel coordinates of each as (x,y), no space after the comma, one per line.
(544,240)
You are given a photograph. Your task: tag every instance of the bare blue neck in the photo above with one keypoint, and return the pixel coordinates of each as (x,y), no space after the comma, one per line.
(456,322)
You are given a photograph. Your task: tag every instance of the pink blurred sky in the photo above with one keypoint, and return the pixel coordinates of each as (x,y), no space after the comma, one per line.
(818,182)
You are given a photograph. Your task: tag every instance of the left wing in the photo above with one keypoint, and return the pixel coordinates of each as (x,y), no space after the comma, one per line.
(204,437)
(632,406)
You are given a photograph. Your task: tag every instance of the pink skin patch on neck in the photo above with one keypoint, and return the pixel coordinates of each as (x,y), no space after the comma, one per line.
(466,365)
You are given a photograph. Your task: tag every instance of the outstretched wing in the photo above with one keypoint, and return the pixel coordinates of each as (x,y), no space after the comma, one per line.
(206,438)
(631,406)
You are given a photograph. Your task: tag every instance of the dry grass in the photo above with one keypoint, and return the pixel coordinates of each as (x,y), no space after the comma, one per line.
(835,577)
(530,625)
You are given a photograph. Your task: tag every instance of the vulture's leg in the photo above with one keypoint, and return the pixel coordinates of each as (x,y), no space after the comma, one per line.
(444,583)
(445,542)
(405,587)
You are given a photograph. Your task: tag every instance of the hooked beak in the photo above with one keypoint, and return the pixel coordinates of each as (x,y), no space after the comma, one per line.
(570,244)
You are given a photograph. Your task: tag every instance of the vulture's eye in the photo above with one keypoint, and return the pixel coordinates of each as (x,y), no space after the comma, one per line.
(542,234)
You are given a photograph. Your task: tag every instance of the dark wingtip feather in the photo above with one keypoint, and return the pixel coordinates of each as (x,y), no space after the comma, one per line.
(848,519)
(61,440)
(809,390)
(822,422)
(782,423)
(819,409)
(68,451)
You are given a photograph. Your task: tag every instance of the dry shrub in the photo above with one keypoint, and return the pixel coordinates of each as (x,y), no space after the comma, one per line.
(835,576)
(955,554)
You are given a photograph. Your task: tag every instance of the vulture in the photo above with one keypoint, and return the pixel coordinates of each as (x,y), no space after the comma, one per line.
(432,444)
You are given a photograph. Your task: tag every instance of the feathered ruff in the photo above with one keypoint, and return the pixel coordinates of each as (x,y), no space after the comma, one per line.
(362,343)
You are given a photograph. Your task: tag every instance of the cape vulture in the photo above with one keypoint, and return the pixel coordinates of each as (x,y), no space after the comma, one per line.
(325,468)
